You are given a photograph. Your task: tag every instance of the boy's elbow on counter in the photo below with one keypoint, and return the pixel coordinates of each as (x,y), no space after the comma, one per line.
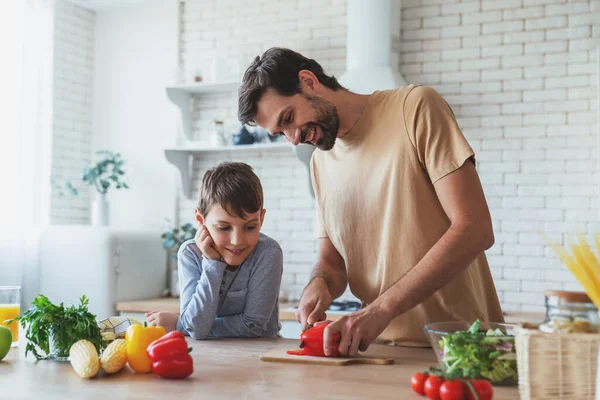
(190,329)
(254,329)
(196,335)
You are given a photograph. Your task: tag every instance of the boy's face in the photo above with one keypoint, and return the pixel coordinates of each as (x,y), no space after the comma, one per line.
(302,118)
(234,237)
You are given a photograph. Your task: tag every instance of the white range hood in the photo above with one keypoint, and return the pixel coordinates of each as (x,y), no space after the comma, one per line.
(370,62)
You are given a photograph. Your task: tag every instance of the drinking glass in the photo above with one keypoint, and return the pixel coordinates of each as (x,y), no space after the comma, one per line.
(10,307)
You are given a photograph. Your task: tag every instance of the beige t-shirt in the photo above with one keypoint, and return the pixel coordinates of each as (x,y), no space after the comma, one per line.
(377,204)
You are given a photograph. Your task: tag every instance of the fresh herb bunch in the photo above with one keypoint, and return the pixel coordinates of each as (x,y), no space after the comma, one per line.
(66,325)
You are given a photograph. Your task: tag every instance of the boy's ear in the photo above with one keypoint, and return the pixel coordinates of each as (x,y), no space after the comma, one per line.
(199,217)
(262,217)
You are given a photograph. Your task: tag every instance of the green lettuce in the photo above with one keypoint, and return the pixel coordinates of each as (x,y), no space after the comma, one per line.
(475,354)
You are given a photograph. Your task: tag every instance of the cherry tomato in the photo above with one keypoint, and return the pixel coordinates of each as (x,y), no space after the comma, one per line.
(452,390)
(482,387)
(417,382)
(432,387)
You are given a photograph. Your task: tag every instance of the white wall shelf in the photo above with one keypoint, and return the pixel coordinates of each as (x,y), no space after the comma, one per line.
(181,96)
(183,157)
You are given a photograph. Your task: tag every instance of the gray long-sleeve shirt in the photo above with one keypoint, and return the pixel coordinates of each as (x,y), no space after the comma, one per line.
(222,303)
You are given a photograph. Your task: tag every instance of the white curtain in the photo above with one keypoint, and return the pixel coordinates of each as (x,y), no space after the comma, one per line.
(26,35)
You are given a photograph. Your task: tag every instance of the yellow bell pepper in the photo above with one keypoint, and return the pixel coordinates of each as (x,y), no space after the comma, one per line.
(137,339)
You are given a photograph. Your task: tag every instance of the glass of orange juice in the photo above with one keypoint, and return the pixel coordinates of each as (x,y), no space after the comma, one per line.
(10,307)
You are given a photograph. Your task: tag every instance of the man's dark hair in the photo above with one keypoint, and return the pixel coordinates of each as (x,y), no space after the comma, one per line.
(232,185)
(277,69)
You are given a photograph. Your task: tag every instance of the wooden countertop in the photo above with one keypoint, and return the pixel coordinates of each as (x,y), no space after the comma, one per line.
(143,306)
(228,369)
(285,311)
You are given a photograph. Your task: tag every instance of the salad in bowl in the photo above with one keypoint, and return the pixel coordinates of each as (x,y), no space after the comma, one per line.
(475,350)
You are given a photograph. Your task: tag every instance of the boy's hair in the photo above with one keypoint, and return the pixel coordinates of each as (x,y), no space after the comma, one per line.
(277,69)
(232,185)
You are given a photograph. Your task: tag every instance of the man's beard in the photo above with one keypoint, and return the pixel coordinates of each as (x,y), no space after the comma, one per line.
(327,118)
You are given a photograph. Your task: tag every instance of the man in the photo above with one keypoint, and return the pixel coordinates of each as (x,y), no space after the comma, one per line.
(401,214)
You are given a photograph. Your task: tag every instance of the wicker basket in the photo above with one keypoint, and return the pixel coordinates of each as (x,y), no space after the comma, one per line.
(556,366)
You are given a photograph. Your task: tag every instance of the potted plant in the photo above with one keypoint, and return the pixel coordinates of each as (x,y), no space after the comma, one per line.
(172,240)
(107,171)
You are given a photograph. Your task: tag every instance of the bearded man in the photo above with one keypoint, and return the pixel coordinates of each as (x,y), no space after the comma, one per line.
(401,214)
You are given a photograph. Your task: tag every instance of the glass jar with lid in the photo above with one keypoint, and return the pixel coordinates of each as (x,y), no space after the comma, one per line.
(569,312)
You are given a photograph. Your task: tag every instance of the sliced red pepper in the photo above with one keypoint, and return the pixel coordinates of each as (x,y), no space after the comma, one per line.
(311,342)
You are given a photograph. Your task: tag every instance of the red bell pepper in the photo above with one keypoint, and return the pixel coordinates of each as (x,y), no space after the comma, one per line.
(311,342)
(168,336)
(170,356)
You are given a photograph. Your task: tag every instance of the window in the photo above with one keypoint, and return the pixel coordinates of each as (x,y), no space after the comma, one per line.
(25,115)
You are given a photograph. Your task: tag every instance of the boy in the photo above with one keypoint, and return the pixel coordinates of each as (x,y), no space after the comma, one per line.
(230,273)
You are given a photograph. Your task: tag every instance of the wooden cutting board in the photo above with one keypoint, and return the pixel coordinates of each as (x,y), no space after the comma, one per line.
(280,355)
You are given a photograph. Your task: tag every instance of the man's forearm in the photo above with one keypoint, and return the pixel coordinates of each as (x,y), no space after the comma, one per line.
(452,254)
(335,280)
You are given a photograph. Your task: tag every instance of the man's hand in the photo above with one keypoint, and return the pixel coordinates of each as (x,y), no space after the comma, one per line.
(315,300)
(358,330)
(167,320)
(206,244)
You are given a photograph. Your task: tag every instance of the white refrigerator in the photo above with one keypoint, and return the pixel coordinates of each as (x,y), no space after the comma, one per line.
(107,265)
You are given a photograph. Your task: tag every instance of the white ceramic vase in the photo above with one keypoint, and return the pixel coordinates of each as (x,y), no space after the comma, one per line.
(100,211)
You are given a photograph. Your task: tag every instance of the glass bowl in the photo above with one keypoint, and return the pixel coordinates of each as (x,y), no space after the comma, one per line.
(466,350)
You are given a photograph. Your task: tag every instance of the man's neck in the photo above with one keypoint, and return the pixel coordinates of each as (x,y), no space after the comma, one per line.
(350,107)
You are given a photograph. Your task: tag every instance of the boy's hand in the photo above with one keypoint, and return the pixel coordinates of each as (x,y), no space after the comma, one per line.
(167,320)
(206,244)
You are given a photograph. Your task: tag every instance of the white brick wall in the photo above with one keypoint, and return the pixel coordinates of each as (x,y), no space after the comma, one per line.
(72,114)
(519,75)
(531,116)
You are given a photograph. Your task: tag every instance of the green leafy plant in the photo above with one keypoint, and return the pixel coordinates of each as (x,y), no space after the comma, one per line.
(174,238)
(107,171)
(66,325)
(66,186)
